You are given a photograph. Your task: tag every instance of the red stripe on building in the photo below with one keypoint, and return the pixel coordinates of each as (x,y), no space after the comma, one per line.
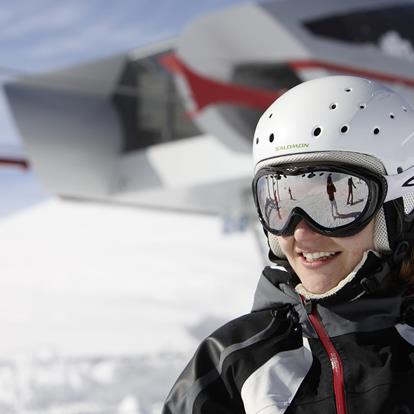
(207,91)
(21,163)
(385,77)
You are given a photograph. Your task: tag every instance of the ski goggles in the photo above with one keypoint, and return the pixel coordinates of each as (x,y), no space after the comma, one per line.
(334,201)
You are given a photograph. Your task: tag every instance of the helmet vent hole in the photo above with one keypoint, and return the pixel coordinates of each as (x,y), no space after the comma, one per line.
(362,106)
(392,116)
(376,131)
(347,89)
(399,170)
(344,128)
(271,138)
(257,140)
(317,131)
(404,109)
(332,106)
(270,115)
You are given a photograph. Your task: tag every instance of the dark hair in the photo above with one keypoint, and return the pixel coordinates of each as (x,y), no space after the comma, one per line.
(407,269)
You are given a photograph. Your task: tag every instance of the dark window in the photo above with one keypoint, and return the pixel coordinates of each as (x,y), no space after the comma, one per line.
(149,105)
(268,77)
(389,28)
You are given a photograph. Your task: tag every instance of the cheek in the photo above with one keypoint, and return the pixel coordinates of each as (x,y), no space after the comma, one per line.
(286,244)
(360,242)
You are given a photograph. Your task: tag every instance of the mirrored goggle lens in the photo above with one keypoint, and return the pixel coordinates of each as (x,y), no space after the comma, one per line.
(330,199)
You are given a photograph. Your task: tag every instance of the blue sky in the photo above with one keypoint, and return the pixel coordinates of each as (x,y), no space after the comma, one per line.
(39,35)
(42,35)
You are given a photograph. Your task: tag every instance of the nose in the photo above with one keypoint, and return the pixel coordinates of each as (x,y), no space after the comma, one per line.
(303,232)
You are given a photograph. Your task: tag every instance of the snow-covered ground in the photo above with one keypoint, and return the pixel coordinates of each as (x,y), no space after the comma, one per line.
(102,305)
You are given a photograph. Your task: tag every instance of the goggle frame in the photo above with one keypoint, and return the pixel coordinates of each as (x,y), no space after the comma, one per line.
(377,191)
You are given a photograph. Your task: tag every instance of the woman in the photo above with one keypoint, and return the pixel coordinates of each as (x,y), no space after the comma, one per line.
(331,330)
(351,186)
(331,190)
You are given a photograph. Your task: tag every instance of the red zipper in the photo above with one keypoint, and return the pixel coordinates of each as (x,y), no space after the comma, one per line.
(334,358)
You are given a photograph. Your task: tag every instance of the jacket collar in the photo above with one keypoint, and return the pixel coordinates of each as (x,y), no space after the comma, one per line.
(352,309)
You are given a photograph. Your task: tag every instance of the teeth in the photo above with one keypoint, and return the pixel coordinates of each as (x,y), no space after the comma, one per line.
(310,257)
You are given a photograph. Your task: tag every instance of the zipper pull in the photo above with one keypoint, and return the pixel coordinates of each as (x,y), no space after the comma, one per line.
(308,304)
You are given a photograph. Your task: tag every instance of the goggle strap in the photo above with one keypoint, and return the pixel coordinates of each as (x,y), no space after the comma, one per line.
(400,185)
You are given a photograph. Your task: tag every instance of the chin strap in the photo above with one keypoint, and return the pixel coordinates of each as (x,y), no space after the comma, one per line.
(402,251)
(386,275)
(377,280)
(407,309)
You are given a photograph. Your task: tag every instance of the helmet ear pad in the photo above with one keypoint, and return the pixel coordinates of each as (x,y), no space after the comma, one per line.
(381,233)
(275,246)
(392,222)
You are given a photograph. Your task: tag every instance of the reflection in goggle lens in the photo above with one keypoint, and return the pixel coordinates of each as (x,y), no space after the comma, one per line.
(331,199)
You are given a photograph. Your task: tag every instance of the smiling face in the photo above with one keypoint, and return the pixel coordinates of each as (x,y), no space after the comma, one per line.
(321,262)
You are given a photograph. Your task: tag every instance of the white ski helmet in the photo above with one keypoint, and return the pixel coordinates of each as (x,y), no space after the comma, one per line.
(347,120)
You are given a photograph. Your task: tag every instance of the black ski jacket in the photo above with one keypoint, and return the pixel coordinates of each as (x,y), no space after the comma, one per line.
(350,353)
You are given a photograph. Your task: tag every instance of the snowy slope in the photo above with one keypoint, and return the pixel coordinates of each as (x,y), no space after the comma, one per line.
(97,279)
(101,306)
